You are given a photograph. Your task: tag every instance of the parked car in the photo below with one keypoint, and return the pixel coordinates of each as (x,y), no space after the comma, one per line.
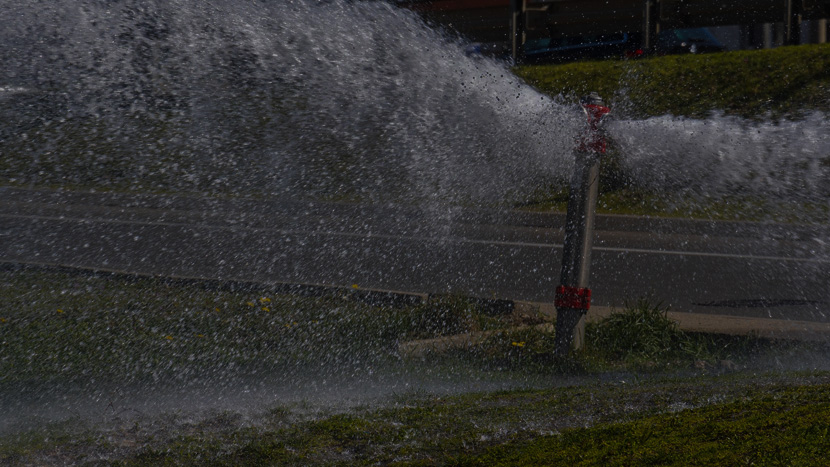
(619,45)
(691,40)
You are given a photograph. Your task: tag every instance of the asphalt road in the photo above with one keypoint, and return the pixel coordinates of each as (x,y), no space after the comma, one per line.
(737,268)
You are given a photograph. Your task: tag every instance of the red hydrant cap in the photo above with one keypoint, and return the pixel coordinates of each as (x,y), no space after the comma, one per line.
(595,109)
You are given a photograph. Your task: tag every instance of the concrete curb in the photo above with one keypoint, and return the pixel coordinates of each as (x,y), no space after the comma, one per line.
(689,322)
(373,297)
(714,324)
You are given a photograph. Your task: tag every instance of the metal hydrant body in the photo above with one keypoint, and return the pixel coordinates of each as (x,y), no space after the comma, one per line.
(573,297)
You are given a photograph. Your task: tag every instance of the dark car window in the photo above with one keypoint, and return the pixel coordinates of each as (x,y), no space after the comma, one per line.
(694,40)
(548,44)
(694,35)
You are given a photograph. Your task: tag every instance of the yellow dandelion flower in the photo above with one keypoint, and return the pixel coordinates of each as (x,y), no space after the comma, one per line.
(3,320)
(288,325)
(60,311)
(200,335)
(518,344)
(265,308)
(170,338)
(250,303)
(355,286)
(264,299)
(217,309)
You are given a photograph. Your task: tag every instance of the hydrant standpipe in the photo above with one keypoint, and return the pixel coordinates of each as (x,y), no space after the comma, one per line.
(573,297)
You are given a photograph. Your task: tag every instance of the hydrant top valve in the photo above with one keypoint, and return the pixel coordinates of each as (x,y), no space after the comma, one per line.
(593,140)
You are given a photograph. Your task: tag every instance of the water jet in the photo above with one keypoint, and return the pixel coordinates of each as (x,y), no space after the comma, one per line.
(267,142)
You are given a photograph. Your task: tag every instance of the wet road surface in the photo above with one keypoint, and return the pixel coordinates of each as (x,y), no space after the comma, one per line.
(738,268)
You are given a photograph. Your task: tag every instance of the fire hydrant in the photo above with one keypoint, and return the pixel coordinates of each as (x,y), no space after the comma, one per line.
(573,297)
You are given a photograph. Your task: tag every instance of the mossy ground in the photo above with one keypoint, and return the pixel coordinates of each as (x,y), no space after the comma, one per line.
(63,327)
(779,426)
(737,419)
(785,82)
(637,202)
(633,396)
(59,327)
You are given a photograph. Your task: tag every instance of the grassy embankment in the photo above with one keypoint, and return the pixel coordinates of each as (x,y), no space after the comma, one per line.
(702,421)
(782,83)
(57,328)
(63,331)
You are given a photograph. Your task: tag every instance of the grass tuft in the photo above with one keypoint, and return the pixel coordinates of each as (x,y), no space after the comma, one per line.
(641,334)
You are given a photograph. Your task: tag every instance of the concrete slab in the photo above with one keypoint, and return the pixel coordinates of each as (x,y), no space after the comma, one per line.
(712,323)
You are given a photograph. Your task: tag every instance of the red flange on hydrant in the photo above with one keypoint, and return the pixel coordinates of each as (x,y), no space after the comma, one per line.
(593,139)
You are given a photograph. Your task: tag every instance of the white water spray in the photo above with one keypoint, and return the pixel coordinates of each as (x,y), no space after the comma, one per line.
(725,155)
(333,98)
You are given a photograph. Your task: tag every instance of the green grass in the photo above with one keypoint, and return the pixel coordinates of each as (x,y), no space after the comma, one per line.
(65,327)
(765,420)
(61,327)
(782,82)
(638,202)
(69,330)
(642,332)
(790,426)
(639,337)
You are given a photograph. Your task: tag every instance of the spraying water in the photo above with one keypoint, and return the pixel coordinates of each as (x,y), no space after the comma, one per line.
(335,99)
(329,100)
(726,155)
